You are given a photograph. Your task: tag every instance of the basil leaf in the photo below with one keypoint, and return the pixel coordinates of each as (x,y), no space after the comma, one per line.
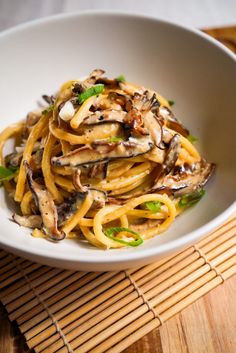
(120,78)
(189,200)
(115,139)
(111,232)
(171,102)
(192,138)
(91,91)
(7,173)
(48,110)
(154,206)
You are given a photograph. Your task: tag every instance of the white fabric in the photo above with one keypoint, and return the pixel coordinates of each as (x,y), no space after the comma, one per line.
(196,13)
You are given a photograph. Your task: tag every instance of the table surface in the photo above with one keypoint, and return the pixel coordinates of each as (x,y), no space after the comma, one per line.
(208,325)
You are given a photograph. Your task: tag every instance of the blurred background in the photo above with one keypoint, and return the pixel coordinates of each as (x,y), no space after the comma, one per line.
(196,13)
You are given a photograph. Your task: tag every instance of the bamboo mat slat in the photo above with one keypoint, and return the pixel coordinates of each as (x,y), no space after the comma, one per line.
(66,311)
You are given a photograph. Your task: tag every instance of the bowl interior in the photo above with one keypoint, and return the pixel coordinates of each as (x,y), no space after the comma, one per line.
(180,64)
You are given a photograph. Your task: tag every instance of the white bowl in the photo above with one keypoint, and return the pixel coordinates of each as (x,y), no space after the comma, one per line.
(182,64)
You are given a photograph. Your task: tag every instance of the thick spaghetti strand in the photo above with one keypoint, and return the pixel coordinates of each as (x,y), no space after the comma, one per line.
(33,137)
(46,169)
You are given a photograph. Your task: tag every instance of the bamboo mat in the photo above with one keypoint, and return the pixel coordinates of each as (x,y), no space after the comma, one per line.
(65,311)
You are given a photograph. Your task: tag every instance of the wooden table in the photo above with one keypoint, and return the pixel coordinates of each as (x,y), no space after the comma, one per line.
(207,326)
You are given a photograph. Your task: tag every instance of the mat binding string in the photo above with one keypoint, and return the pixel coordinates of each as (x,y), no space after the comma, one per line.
(41,301)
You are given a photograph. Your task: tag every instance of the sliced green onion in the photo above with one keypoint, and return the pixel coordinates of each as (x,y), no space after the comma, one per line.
(48,110)
(7,173)
(120,78)
(154,206)
(91,91)
(111,232)
(115,139)
(189,200)
(171,102)
(192,138)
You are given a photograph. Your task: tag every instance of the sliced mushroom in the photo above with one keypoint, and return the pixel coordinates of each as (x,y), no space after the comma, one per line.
(87,155)
(131,89)
(49,99)
(141,119)
(34,221)
(134,121)
(167,135)
(154,103)
(110,83)
(78,87)
(14,159)
(168,164)
(172,122)
(81,86)
(46,206)
(70,206)
(36,160)
(98,171)
(171,154)
(77,182)
(99,131)
(104,146)
(105,116)
(99,198)
(32,118)
(188,182)
(146,101)
(178,127)
(121,99)
(154,127)
(183,169)
(139,100)
(94,76)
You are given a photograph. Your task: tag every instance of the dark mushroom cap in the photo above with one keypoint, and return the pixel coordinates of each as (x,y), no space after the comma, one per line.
(89,155)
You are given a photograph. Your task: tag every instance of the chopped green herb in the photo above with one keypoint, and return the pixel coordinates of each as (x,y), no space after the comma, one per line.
(13,169)
(7,173)
(154,206)
(115,139)
(48,110)
(91,91)
(120,78)
(111,232)
(192,138)
(171,102)
(191,199)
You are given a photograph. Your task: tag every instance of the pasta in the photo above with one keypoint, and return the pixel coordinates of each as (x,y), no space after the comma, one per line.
(105,162)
